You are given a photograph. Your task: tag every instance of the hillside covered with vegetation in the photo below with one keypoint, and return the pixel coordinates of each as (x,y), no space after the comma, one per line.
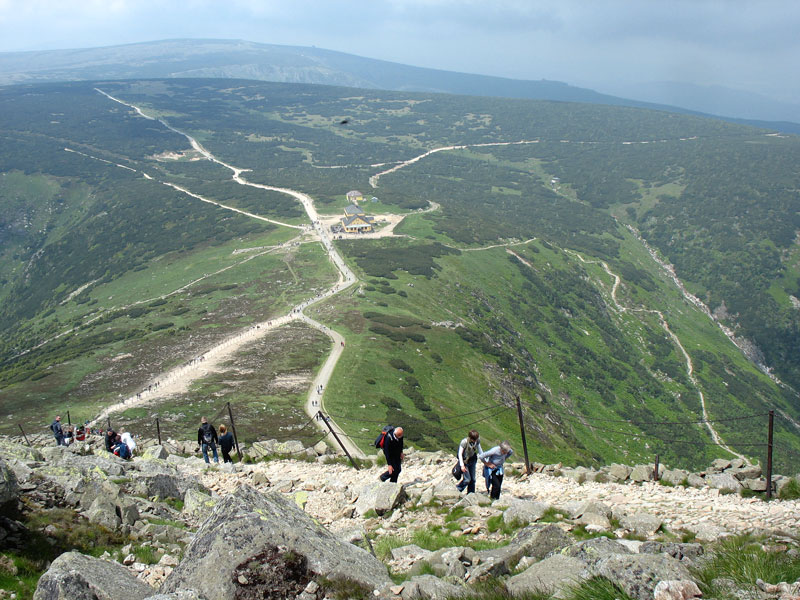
(508,288)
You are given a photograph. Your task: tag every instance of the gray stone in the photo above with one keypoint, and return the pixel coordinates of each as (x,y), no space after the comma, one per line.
(410,553)
(695,481)
(103,512)
(536,541)
(79,577)
(321,448)
(524,511)
(676,590)
(675,476)
(21,452)
(723,481)
(594,522)
(380,497)
(166,485)
(590,551)
(720,464)
(127,511)
(9,487)
(679,551)
(641,523)
(705,532)
(747,472)
(593,507)
(431,588)
(158,452)
(757,485)
(197,506)
(246,523)
(554,576)
(617,472)
(638,574)
(642,473)
(179,595)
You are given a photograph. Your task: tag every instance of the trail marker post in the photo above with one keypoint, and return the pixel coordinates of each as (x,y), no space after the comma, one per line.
(158,430)
(522,431)
(769,454)
(233,428)
(23,434)
(338,441)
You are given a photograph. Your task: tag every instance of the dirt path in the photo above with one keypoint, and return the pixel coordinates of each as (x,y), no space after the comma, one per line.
(688,359)
(178,379)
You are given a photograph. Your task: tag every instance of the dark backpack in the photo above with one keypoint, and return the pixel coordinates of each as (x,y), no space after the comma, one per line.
(208,436)
(379,441)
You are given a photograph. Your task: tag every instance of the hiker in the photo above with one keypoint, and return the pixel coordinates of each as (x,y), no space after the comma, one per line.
(68,435)
(207,438)
(468,451)
(80,435)
(127,439)
(393,451)
(225,443)
(493,461)
(120,448)
(58,432)
(111,440)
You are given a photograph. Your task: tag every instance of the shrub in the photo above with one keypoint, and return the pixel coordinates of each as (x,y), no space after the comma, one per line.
(790,491)
(401,365)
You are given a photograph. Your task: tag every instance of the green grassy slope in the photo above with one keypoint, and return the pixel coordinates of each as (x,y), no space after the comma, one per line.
(445,321)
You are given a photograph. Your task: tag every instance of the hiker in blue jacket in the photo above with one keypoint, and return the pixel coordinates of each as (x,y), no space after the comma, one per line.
(493,461)
(58,432)
(207,438)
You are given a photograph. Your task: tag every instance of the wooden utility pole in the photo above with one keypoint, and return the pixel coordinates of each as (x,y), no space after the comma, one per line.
(522,431)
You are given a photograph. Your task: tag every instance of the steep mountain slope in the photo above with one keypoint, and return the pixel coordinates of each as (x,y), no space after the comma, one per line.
(519,280)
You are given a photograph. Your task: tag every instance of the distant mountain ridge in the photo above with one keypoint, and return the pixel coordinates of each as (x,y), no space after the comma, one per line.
(294,64)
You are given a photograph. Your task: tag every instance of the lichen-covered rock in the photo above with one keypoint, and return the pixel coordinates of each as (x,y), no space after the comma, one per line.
(617,472)
(536,541)
(9,488)
(197,506)
(158,452)
(642,473)
(675,476)
(179,595)
(591,551)
(79,577)
(247,522)
(165,485)
(638,574)
(552,576)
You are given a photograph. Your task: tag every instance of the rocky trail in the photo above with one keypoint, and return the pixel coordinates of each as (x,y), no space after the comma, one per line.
(209,531)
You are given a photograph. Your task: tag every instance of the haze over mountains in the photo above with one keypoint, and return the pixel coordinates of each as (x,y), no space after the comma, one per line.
(296,64)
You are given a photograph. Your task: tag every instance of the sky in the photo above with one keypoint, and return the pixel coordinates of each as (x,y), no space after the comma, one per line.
(751,45)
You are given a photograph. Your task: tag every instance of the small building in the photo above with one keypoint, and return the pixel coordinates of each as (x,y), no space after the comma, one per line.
(353,210)
(358,224)
(354,196)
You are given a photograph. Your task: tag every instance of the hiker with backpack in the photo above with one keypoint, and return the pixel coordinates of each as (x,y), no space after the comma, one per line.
(468,451)
(58,432)
(120,448)
(110,439)
(493,461)
(391,441)
(225,443)
(207,438)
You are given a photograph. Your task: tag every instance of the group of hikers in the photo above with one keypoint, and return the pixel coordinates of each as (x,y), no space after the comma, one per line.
(123,445)
(469,453)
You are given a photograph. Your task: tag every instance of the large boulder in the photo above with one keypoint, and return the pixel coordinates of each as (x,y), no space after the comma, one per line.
(157,452)
(535,541)
(675,476)
(641,523)
(197,506)
(524,511)
(638,574)
(551,576)
(723,481)
(79,577)
(428,587)
(9,488)
(165,485)
(245,524)
(380,497)
(592,550)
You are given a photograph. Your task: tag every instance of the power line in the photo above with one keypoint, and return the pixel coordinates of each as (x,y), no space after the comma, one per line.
(653,437)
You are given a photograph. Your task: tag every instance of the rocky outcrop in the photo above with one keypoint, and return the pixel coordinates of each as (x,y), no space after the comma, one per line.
(637,575)
(9,488)
(244,524)
(80,577)
(552,576)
